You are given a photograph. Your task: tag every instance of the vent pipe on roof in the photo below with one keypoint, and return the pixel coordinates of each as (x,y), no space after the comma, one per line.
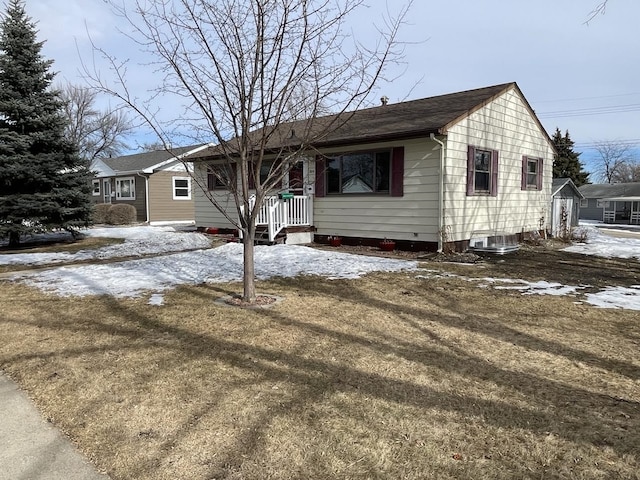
(384,100)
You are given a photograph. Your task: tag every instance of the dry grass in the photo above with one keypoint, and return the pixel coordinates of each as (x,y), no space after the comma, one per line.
(390,376)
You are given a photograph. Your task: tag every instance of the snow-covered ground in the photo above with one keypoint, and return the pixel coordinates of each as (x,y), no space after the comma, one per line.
(153,275)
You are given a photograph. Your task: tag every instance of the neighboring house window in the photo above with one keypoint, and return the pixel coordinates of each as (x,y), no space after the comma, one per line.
(584,202)
(96,187)
(602,203)
(363,172)
(482,171)
(220,176)
(126,188)
(531,173)
(181,188)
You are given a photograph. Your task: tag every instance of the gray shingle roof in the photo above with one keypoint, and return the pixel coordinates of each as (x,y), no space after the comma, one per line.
(610,190)
(142,161)
(559,183)
(416,118)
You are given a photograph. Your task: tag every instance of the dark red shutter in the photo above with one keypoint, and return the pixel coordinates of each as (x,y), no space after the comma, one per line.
(320,176)
(471,157)
(397,172)
(539,186)
(493,188)
(525,171)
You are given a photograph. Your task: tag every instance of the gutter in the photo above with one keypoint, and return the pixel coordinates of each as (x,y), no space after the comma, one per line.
(441,211)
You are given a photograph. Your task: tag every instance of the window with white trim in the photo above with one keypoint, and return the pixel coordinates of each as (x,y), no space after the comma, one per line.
(603,203)
(531,173)
(482,171)
(126,188)
(584,202)
(96,187)
(181,188)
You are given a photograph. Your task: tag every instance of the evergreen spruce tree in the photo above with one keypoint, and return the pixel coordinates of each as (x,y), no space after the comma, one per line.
(567,164)
(44,184)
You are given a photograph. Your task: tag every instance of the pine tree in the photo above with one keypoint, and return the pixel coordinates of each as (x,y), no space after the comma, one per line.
(567,164)
(44,184)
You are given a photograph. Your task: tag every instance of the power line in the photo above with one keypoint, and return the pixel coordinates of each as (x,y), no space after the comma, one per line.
(580,112)
(580,99)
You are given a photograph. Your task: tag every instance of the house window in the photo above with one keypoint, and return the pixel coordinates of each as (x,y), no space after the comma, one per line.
(265,170)
(220,176)
(364,172)
(126,188)
(482,171)
(603,203)
(181,188)
(531,173)
(584,202)
(96,187)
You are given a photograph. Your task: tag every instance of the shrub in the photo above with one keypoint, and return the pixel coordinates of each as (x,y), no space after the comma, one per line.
(121,214)
(100,211)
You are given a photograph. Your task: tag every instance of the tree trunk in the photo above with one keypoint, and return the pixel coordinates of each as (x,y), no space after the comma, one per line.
(249,283)
(14,239)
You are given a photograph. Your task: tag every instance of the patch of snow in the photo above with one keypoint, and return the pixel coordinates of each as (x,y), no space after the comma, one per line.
(222,264)
(616,297)
(156,299)
(138,241)
(602,245)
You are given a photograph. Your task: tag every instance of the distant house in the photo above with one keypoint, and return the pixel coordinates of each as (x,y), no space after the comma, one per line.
(424,173)
(156,183)
(565,208)
(611,202)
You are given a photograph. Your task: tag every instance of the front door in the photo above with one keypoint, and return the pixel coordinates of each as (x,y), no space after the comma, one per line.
(106,189)
(296,179)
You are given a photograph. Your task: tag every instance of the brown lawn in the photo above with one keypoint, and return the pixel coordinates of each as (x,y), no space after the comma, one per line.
(387,377)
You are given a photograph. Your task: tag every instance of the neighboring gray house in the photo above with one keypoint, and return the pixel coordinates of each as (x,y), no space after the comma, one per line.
(442,167)
(611,202)
(156,183)
(565,206)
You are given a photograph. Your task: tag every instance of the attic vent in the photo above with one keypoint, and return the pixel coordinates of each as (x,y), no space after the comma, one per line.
(384,100)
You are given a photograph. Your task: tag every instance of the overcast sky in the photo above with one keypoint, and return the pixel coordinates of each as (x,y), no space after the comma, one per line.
(577,76)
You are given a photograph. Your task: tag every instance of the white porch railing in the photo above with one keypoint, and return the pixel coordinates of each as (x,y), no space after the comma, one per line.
(609,216)
(277,213)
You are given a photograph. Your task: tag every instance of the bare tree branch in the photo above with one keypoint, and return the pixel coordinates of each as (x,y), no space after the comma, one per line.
(96,133)
(613,159)
(600,9)
(245,69)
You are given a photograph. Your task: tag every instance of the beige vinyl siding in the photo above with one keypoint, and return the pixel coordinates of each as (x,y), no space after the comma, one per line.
(413,216)
(162,206)
(507,126)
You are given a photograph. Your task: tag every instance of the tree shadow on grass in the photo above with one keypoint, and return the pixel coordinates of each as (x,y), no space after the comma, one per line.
(564,410)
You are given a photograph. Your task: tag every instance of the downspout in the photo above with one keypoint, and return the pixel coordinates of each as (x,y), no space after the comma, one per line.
(146,195)
(440,194)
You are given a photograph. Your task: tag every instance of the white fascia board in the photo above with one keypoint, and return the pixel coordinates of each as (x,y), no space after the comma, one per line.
(177,158)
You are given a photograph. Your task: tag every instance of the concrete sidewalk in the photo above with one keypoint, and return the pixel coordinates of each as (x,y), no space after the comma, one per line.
(31,448)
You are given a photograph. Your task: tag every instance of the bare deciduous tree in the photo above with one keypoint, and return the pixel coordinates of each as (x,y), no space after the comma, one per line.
(628,172)
(612,158)
(247,68)
(96,133)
